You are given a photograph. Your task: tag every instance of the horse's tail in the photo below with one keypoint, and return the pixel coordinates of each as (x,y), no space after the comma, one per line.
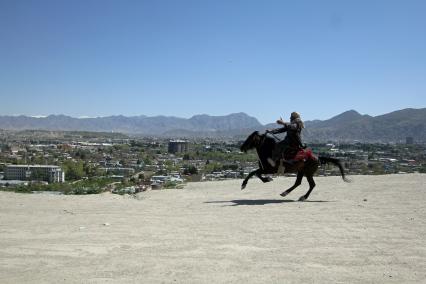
(336,162)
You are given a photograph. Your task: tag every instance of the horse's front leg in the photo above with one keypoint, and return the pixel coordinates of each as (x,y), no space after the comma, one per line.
(255,172)
(296,184)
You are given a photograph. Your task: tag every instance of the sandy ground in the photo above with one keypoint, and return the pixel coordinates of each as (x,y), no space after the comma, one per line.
(372,230)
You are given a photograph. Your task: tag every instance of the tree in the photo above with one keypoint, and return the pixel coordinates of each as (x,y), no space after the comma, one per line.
(91,171)
(233,167)
(73,170)
(213,167)
(81,154)
(191,170)
(147,161)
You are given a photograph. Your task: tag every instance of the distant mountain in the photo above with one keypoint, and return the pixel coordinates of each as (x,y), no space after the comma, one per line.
(350,125)
(143,125)
(347,126)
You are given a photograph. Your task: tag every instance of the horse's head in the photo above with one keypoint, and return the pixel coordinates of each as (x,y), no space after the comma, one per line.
(251,142)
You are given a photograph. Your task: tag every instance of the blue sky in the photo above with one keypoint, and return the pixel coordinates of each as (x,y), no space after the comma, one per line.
(181,58)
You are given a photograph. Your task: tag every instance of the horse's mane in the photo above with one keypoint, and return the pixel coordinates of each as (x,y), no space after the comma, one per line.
(263,139)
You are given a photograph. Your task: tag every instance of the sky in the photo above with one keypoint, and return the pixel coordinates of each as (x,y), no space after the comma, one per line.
(180,58)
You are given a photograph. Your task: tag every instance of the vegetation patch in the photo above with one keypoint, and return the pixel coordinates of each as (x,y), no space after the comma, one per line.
(86,186)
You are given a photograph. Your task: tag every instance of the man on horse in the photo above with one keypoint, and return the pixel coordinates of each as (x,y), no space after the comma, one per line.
(286,149)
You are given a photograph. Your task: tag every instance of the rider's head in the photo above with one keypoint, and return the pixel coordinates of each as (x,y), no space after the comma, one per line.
(294,115)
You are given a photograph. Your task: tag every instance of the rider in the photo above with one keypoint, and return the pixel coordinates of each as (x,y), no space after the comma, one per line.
(291,143)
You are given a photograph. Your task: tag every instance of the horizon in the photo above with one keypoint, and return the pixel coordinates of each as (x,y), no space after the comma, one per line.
(173,116)
(103,58)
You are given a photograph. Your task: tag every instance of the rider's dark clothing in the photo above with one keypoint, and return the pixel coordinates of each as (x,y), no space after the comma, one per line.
(291,143)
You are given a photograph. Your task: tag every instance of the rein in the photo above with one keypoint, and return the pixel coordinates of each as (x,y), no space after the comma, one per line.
(275,136)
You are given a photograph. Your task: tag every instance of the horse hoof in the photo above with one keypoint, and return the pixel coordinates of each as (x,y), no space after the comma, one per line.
(269,179)
(284,194)
(243,186)
(302,198)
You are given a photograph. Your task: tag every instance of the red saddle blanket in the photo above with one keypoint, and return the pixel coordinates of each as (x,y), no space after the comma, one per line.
(304,154)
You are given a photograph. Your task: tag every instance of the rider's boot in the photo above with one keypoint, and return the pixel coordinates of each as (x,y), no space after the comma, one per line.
(274,158)
(271,162)
(281,167)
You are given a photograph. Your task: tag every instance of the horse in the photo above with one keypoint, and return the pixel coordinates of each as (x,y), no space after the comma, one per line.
(306,165)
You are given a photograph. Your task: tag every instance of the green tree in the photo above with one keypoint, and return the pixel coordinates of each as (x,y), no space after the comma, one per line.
(91,171)
(213,167)
(73,170)
(191,170)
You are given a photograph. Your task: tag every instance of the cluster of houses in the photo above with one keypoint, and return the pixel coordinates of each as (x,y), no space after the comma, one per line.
(162,162)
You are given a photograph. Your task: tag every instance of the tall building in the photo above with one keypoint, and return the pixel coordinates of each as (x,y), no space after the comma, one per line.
(34,172)
(178,146)
(409,140)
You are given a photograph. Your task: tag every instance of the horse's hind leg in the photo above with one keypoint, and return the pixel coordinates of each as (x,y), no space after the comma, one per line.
(296,184)
(264,179)
(311,186)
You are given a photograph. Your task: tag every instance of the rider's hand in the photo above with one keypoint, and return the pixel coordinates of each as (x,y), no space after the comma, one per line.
(280,121)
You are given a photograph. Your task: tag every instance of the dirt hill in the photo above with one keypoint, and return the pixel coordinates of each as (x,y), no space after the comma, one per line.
(369,231)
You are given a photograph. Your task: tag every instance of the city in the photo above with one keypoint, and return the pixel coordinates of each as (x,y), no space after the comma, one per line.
(89,162)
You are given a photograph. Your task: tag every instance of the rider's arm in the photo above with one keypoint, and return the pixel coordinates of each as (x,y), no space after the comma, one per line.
(278,130)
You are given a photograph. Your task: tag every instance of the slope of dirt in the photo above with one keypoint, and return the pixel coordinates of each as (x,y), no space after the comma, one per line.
(369,231)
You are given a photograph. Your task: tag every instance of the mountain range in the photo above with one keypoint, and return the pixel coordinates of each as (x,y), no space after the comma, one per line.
(347,126)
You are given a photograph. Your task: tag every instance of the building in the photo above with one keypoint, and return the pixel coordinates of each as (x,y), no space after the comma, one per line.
(119,171)
(409,140)
(178,146)
(34,172)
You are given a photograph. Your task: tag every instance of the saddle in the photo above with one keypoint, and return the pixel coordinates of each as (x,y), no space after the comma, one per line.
(304,154)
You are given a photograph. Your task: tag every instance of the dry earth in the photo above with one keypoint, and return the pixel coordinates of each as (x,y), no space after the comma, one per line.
(369,231)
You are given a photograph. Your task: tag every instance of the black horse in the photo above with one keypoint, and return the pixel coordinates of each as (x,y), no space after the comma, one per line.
(264,145)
